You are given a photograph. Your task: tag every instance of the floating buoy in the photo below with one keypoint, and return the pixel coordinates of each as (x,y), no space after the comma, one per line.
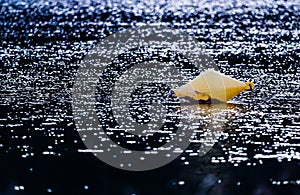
(212,85)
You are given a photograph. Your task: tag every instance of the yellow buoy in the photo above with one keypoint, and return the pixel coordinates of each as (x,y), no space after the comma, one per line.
(213,85)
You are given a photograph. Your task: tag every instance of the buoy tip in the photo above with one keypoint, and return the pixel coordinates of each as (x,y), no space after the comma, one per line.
(249,85)
(172,93)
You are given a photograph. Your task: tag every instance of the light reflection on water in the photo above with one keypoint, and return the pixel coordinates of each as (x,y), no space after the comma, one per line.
(257,151)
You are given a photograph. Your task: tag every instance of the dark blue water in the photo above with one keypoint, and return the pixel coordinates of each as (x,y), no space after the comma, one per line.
(42,44)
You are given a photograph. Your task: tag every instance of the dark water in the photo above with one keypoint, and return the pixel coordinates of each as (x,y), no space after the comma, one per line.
(42,44)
